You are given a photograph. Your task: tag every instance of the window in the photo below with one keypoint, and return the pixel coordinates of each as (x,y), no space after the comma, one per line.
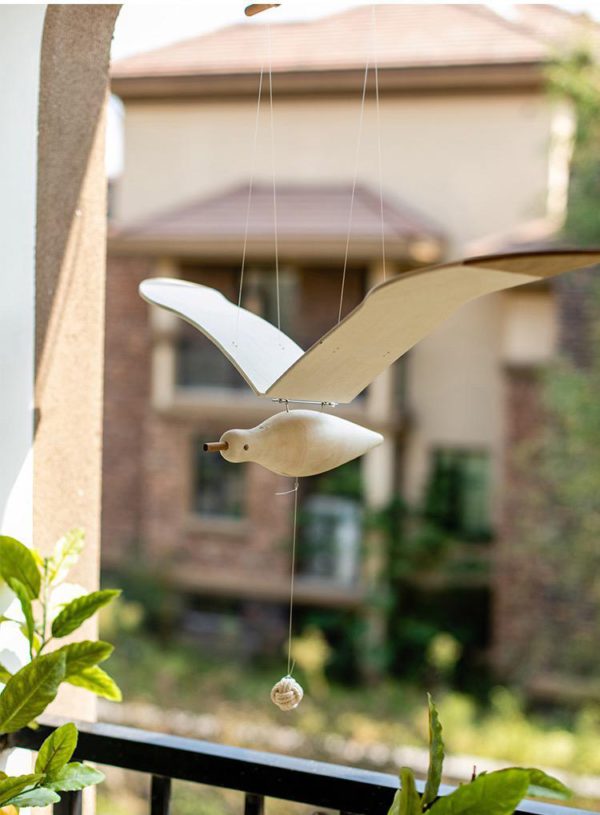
(458,493)
(331,526)
(308,308)
(201,364)
(218,485)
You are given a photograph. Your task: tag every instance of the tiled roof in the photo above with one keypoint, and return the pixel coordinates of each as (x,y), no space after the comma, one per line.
(407,35)
(304,211)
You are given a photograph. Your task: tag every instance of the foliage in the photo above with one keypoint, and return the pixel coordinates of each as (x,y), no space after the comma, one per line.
(181,677)
(50,609)
(557,502)
(311,654)
(436,589)
(495,793)
(575,77)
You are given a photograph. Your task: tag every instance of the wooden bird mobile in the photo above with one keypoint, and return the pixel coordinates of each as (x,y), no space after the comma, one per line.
(390,320)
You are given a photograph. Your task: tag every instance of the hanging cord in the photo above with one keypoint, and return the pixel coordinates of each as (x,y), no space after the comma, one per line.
(275,230)
(354,182)
(251,185)
(287,693)
(295,523)
(293,573)
(378,127)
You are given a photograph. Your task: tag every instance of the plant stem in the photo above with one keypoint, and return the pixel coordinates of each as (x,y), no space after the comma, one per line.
(44,641)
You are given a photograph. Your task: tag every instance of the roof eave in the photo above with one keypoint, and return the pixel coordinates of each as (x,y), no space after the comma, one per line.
(414,250)
(439,78)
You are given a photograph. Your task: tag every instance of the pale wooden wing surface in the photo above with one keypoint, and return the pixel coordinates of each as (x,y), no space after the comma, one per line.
(259,351)
(395,315)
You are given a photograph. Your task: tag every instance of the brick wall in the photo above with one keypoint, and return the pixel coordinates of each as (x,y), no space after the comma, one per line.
(516,593)
(127,390)
(149,457)
(529,593)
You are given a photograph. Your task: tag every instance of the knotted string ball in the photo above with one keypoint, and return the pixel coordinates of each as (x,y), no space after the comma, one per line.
(287,693)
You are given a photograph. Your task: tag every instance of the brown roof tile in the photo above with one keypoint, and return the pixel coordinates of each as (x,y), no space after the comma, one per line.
(304,211)
(408,35)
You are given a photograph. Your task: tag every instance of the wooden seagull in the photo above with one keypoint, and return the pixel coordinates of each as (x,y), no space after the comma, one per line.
(390,320)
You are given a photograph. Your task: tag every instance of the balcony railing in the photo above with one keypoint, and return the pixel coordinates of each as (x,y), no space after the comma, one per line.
(254,774)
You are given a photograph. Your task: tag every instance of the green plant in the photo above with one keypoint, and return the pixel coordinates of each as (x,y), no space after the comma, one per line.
(51,610)
(495,793)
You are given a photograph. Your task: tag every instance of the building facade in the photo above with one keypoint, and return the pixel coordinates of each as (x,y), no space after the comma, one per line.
(465,144)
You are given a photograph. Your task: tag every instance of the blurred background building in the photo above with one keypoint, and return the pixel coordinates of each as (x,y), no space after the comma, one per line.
(475,157)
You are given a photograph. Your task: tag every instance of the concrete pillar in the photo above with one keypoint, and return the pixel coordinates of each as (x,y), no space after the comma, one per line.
(164,357)
(378,478)
(70,281)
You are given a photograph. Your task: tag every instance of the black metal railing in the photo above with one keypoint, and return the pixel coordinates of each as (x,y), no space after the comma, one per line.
(255,774)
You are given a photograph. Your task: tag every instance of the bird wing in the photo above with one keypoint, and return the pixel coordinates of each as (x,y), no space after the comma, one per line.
(259,351)
(398,313)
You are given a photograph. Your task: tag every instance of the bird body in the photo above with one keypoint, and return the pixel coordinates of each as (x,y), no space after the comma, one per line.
(299,443)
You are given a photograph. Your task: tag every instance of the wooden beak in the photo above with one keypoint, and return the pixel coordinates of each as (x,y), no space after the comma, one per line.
(256,8)
(215,446)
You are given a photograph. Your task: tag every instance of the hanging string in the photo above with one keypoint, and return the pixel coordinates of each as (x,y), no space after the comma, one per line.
(378,128)
(295,520)
(275,230)
(251,184)
(293,573)
(287,693)
(354,181)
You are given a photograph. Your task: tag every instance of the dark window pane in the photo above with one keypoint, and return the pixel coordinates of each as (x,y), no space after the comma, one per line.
(219,485)
(331,526)
(458,493)
(202,364)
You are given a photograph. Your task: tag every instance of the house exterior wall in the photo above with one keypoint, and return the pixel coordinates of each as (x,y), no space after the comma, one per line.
(455,158)
(149,455)
(477,164)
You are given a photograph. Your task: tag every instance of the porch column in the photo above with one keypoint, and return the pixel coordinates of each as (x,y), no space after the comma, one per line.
(378,479)
(70,279)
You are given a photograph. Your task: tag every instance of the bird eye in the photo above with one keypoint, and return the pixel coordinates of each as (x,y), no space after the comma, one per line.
(246,447)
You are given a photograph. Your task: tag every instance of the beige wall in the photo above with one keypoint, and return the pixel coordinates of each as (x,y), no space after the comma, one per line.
(456,378)
(455,389)
(477,164)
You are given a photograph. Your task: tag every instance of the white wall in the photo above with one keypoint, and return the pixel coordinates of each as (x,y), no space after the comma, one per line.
(20,42)
(20,46)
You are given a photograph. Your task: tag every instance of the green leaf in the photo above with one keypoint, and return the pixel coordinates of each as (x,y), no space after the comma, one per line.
(98,681)
(436,755)
(16,561)
(66,554)
(546,786)
(496,793)
(75,776)
(40,797)
(23,597)
(5,674)
(409,802)
(57,750)
(13,785)
(29,692)
(77,611)
(85,654)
